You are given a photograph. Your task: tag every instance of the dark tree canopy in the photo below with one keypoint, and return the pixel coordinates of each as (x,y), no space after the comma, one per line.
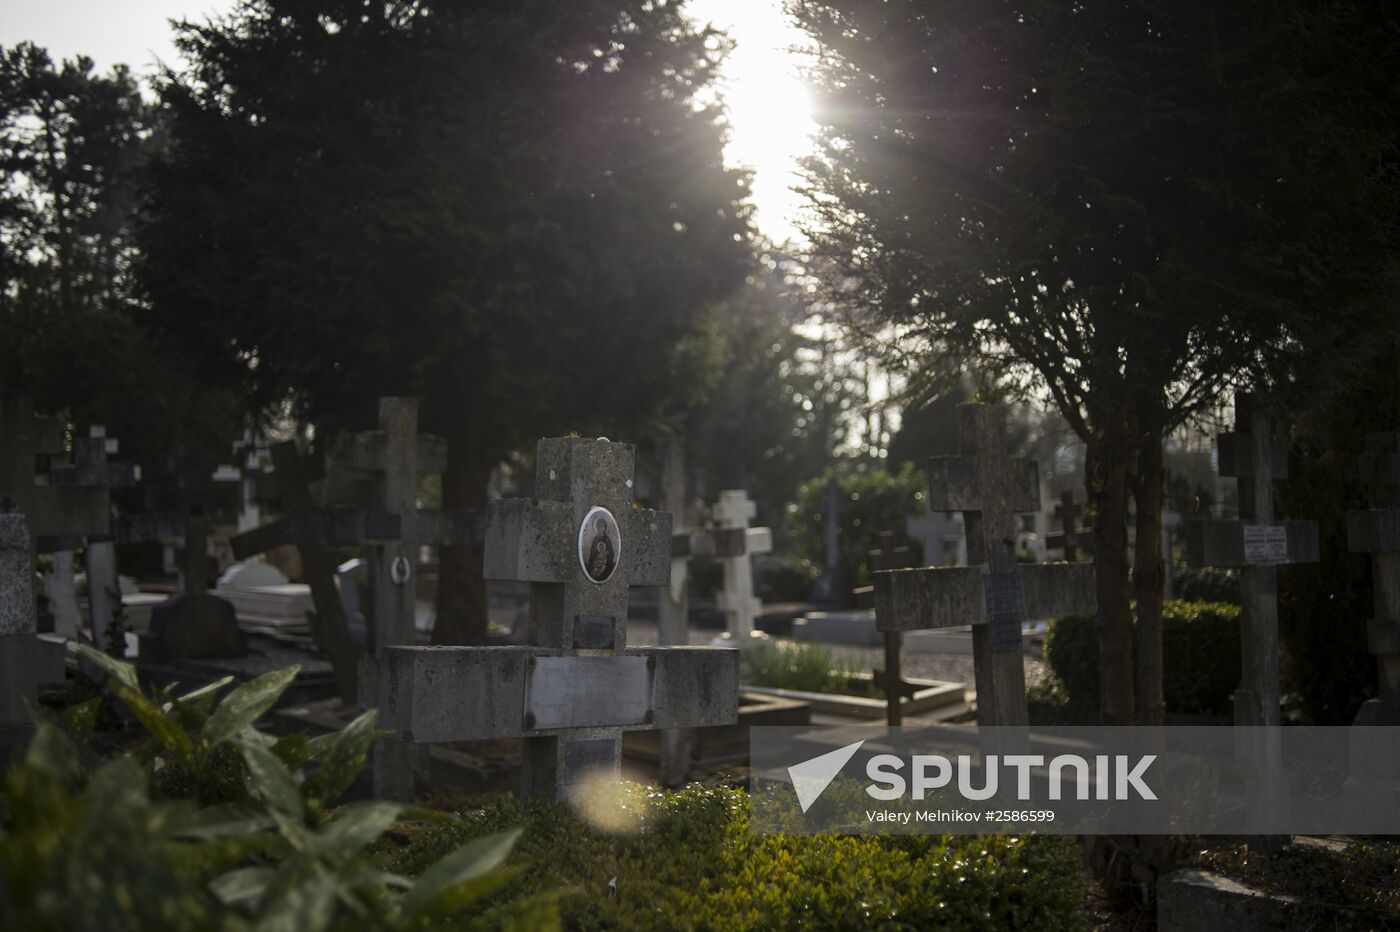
(1132,202)
(514,210)
(1130,205)
(72,145)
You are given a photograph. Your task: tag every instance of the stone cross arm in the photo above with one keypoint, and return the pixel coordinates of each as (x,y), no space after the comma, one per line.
(741,541)
(1373,530)
(946,597)
(368,451)
(535,540)
(436,694)
(960,483)
(1246,543)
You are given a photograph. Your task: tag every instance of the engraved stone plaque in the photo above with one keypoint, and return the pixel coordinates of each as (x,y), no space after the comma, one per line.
(584,692)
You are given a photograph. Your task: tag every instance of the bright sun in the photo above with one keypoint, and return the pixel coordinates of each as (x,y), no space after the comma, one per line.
(770,109)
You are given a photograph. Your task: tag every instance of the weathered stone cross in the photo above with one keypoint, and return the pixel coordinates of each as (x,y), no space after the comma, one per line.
(889,557)
(1071,536)
(994,595)
(1257,544)
(1377,531)
(576,686)
(830,588)
(735,545)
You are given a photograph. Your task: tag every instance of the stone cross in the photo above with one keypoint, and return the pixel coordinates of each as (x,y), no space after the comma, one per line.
(396,456)
(1256,544)
(58,513)
(26,661)
(675,746)
(314,531)
(1377,531)
(575,686)
(1071,536)
(995,595)
(735,544)
(888,556)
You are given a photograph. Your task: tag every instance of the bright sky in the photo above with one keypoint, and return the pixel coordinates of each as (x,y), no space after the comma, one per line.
(770,115)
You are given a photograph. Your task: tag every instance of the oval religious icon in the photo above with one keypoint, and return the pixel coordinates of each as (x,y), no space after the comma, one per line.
(599,544)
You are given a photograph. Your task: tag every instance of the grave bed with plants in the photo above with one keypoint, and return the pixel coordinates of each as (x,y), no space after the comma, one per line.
(831,683)
(199,820)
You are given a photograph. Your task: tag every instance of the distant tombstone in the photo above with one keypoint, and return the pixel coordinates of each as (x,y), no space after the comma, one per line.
(61,589)
(1071,538)
(194,625)
(830,590)
(995,595)
(251,576)
(575,686)
(941,534)
(735,545)
(350,582)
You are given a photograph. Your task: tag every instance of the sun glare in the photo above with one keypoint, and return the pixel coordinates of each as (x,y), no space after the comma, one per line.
(770,109)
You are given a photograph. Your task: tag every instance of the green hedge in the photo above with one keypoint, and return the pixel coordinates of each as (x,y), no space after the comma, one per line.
(688,860)
(1200,659)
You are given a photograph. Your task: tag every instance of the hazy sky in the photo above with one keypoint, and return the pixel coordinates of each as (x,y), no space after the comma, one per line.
(769,111)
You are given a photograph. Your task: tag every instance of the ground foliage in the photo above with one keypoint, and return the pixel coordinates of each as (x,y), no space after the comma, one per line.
(1352,887)
(871,500)
(689,860)
(803,666)
(1201,642)
(212,824)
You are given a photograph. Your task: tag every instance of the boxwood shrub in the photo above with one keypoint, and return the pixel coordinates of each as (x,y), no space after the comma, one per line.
(688,860)
(1200,659)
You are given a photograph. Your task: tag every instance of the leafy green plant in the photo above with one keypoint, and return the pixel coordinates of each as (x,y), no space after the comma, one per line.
(112,845)
(808,667)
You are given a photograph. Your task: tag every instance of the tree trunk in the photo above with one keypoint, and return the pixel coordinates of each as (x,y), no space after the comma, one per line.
(1107,469)
(461,597)
(1149,580)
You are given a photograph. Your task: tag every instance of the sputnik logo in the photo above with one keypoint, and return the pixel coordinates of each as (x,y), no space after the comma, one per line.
(811,777)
